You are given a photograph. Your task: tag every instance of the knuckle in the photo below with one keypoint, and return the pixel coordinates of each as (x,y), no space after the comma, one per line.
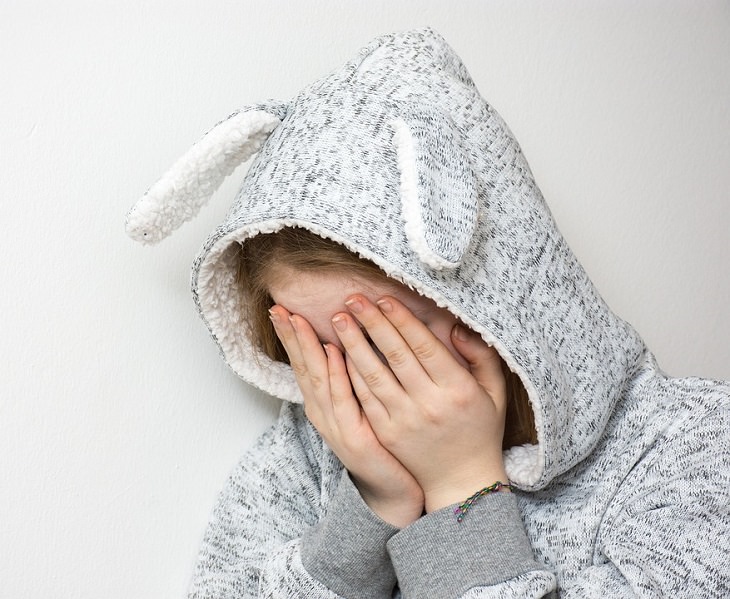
(396,357)
(317,382)
(425,351)
(300,370)
(389,440)
(372,378)
(365,395)
(433,412)
(460,402)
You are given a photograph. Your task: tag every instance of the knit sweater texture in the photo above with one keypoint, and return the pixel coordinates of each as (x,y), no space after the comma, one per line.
(398,157)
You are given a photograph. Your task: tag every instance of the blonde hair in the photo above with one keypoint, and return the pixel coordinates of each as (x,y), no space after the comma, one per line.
(261,258)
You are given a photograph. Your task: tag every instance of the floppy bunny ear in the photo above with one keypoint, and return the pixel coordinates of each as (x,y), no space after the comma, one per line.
(438,187)
(178,196)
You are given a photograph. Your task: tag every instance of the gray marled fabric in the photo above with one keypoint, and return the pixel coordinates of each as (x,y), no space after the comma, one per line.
(398,157)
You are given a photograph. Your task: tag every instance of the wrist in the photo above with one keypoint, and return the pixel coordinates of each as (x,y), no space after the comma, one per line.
(398,514)
(459,490)
(397,509)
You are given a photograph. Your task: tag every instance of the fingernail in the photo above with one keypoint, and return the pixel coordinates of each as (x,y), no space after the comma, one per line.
(354,304)
(293,323)
(460,333)
(274,317)
(385,305)
(339,322)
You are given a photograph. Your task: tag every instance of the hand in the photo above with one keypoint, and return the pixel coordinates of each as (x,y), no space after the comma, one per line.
(384,484)
(442,421)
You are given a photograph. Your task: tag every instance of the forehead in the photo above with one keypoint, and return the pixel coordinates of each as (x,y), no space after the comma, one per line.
(318,296)
(322,294)
(318,287)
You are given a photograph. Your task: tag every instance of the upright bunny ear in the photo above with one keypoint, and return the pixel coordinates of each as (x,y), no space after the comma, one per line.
(178,196)
(438,187)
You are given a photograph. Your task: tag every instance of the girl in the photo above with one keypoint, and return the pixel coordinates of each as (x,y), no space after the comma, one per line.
(475,421)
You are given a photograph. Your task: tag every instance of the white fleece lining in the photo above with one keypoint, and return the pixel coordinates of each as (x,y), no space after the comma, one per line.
(220,305)
(191,181)
(409,190)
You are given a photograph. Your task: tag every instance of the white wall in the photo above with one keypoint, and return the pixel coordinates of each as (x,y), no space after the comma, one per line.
(118,421)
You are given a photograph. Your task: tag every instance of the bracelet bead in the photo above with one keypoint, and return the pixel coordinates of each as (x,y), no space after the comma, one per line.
(461,510)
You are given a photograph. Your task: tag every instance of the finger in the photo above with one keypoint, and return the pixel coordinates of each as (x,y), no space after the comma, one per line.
(313,357)
(346,410)
(389,342)
(284,328)
(375,410)
(433,356)
(378,378)
(351,417)
(484,361)
(280,318)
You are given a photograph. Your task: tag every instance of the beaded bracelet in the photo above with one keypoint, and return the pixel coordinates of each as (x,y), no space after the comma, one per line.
(464,507)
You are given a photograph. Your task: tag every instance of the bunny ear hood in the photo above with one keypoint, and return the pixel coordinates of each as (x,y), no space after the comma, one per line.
(397,157)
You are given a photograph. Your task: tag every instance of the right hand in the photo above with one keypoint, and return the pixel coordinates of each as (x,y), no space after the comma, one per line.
(329,403)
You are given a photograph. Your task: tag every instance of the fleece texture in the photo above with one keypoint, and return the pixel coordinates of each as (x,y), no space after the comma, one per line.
(398,157)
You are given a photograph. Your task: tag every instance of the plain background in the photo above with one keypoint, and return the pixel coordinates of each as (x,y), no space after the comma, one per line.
(118,421)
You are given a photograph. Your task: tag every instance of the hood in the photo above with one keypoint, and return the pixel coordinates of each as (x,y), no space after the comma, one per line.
(398,157)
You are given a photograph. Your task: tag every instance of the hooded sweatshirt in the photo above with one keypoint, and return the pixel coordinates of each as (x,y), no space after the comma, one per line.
(398,157)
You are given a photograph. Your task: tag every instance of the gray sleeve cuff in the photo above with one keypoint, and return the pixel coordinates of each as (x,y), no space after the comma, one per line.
(437,556)
(346,551)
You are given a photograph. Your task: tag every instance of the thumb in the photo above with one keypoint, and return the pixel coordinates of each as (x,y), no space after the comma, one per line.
(484,361)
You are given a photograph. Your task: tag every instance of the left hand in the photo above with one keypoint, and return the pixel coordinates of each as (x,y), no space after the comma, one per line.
(330,405)
(442,421)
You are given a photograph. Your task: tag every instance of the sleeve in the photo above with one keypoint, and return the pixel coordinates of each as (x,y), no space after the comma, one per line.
(347,549)
(487,554)
(290,523)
